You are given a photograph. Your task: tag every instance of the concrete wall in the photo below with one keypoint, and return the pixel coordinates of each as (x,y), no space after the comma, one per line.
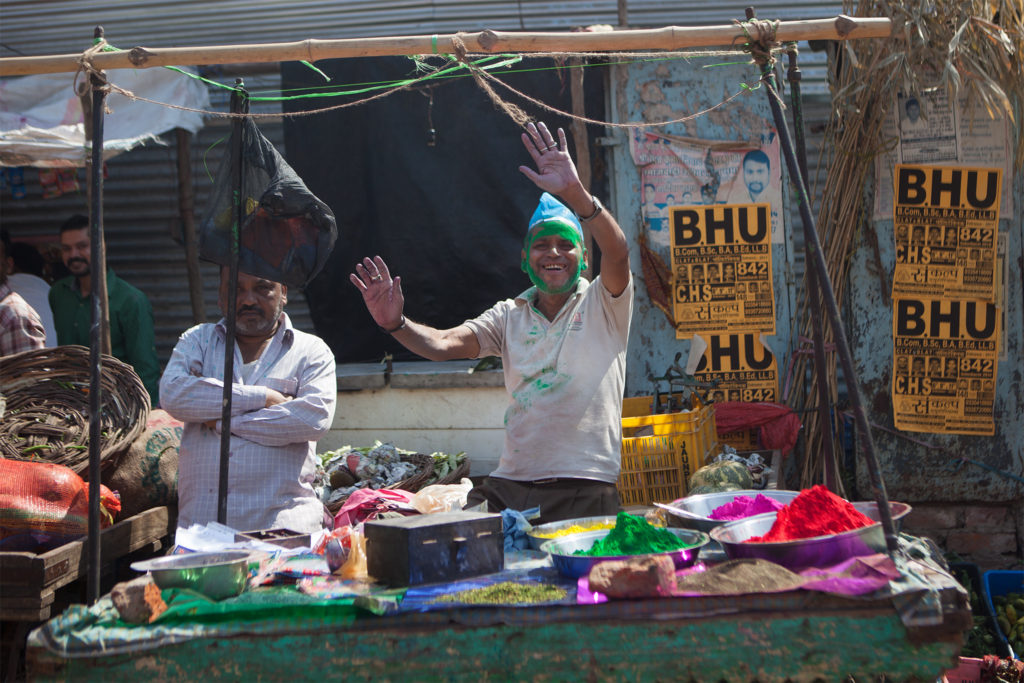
(423,407)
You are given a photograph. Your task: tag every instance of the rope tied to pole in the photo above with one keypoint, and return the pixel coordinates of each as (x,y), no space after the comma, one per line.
(97,78)
(761,40)
(85,66)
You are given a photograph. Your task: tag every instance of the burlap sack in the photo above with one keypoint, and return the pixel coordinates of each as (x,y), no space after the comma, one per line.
(146,476)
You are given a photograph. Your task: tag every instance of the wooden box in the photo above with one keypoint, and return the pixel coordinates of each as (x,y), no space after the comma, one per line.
(443,546)
(286,538)
(28,581)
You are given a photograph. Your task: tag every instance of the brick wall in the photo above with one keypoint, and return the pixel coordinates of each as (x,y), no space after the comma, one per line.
(988,535)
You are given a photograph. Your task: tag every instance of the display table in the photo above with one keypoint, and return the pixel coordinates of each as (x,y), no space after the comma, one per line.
(797,635)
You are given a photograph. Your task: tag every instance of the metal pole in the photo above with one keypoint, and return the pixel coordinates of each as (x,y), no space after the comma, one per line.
(97,289)
(832,307)
(813,286)
(239,104)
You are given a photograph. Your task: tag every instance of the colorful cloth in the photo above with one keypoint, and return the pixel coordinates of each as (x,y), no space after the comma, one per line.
(272,451)
(20,326)
(565,378)
(131,325)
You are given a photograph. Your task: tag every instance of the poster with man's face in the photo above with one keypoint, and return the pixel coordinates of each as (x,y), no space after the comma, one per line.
(681,173)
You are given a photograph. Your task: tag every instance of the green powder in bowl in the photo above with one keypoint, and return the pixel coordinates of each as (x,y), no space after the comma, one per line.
(634,535)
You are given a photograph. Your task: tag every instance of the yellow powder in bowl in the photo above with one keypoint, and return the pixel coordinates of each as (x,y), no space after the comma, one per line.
(575,529)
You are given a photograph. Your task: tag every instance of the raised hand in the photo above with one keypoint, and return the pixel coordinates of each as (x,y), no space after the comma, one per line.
(556,171)
(381,294)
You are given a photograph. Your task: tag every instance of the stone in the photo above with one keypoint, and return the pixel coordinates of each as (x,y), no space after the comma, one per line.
(643,577)
(138,601)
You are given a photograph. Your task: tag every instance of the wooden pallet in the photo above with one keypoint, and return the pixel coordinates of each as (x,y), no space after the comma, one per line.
(28,581)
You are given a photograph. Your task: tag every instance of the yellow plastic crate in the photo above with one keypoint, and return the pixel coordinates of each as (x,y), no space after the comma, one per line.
(656,467)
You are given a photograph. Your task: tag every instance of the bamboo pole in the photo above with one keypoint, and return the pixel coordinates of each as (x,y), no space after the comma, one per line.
(488,41)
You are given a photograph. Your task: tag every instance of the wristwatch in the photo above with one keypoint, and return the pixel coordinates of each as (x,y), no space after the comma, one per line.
(598,208)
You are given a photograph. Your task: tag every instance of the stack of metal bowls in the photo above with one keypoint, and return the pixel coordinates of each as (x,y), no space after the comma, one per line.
(819,551)
(568,564)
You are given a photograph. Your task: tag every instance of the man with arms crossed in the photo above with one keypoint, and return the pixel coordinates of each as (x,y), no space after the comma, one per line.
(282,400)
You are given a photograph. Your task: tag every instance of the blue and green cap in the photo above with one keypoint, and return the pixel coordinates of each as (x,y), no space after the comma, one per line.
(552,217)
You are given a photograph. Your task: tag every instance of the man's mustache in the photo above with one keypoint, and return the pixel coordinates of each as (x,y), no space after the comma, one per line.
(76,259)
(250,309)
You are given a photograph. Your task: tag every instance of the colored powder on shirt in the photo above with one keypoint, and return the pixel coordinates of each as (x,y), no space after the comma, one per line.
(742,507)
(814,512)
(634,535)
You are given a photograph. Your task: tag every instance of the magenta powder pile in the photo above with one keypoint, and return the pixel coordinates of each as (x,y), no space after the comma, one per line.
(742,507)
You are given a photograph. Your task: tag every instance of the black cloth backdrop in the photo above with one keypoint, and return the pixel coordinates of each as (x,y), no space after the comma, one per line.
(448,218)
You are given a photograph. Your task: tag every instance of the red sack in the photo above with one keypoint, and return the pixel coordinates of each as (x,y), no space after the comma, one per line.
(44,505)
(367,504)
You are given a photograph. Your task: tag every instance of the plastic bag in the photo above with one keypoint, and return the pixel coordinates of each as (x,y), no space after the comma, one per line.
(442,497)
(286,233)
(355,564)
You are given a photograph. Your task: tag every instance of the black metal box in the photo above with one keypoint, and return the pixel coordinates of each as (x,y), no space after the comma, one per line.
(443,546)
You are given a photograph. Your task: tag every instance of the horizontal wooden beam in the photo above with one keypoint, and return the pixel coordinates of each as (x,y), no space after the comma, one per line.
(483,42)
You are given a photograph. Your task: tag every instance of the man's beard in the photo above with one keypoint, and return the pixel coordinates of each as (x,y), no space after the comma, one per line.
(257,328)
(72,262)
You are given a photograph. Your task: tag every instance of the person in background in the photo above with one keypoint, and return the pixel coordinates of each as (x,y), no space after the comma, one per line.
(283,392)
(130,313)
(20,326)
(562,343)
(25,276)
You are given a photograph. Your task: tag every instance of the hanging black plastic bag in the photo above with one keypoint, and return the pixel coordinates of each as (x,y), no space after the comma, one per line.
(286,233)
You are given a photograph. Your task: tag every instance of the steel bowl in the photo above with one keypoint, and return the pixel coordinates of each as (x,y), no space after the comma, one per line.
(216,575)
(537,541)
(575,566)
(819,551)
(703,504)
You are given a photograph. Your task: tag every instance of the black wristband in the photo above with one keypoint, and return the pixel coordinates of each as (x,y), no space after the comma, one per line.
(401,326)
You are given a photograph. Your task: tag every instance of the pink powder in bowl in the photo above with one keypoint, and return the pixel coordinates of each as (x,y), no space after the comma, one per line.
(742,507)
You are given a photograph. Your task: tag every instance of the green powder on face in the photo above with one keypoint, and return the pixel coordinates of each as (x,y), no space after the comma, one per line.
(634,535)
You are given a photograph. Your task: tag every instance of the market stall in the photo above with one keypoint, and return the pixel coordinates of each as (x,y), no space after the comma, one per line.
(909,628)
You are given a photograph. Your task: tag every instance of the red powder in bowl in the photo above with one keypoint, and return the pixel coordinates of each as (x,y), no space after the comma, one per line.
(742,507)
(814,512)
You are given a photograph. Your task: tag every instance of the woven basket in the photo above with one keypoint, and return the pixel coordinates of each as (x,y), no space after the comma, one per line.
(47,415)
(425,467)
(456,475)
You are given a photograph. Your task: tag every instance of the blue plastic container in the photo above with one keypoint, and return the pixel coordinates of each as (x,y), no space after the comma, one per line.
(1001,582)
(983,608)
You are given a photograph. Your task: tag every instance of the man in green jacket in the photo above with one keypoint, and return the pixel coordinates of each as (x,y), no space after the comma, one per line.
(131,315)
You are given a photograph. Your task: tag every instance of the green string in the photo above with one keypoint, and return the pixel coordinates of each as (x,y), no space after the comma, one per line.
(326,77)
